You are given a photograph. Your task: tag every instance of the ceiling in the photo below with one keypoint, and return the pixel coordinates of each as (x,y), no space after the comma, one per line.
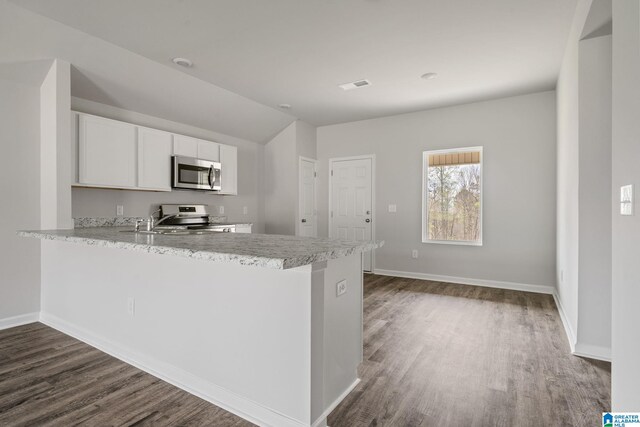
(299,51)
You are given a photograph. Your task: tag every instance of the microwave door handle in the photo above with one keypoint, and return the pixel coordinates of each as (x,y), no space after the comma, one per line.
(211,177)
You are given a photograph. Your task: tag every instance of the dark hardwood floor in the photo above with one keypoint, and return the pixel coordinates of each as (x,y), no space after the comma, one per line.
(435,354)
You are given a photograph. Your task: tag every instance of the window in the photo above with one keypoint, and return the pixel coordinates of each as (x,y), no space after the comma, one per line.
(452,196)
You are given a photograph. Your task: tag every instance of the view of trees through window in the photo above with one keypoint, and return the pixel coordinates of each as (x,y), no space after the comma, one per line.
(454,197)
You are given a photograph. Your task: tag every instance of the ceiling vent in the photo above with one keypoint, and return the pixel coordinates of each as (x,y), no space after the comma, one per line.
(355,85)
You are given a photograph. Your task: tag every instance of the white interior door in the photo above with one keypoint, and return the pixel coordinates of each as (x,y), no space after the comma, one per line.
(351,202)
(307,225)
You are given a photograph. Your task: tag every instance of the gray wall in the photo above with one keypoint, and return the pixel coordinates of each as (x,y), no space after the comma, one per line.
(568,178)
(280,182)
(20,192)
(584,176)
(518,135)
(281,178)
(594,258)
(626,229)
(102,202)
(306,140)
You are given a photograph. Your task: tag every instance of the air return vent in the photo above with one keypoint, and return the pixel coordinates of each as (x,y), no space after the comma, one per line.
(355,85)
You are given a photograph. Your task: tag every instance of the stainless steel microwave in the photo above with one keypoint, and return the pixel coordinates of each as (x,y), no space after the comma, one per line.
(195,174)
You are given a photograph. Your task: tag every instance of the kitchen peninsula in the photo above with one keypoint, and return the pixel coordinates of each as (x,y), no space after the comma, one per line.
(250,322)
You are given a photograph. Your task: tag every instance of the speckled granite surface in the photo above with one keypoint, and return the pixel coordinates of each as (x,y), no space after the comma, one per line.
(117,221)
(260,250)
(123,221)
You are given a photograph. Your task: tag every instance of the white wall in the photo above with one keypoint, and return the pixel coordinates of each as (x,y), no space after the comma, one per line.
(594,250)
(281,175)
(55,148)
(626,230)
(306,140)
(20,193)
(92,202)
(280,182)
(567,180)
(568,158)
(518,135)
(583,187)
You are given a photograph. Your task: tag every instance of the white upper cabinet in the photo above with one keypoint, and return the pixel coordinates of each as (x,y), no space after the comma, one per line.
(194,147)
(154,159)
(185,146)
(113,154)
(229,172)
(208,150)
(107,152)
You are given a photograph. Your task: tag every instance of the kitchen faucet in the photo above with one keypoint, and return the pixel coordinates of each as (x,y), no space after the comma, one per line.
(151,221)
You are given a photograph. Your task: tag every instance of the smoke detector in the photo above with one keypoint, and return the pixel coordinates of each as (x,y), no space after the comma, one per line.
(355,85)
(183,62)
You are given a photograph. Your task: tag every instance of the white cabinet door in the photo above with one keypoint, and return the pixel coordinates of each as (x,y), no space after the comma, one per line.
(185,146)
(208,150)
(229,166)
(107,152)
(194,147)
(154,159)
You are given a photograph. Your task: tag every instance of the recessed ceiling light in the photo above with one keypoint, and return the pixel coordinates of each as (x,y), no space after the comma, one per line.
(183,62)
(429,76)
(284,106)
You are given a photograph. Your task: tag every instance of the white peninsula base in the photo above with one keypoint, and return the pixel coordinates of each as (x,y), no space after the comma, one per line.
(276,347)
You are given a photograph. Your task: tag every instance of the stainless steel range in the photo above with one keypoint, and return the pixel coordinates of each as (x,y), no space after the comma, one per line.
(189,217)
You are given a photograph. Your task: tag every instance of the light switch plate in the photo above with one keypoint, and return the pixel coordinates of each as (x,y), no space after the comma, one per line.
(221,210)
(392,208)
(626,200)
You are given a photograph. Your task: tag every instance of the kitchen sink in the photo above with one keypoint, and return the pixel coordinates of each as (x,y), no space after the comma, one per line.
(171,232)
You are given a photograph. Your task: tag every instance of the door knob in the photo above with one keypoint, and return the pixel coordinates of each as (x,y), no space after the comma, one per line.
(304,220)
(367,220)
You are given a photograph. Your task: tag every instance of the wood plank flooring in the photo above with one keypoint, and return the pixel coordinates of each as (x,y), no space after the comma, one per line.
(435,354)
(439,354)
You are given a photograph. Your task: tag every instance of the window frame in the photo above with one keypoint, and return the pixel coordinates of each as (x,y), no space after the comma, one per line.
(425,189)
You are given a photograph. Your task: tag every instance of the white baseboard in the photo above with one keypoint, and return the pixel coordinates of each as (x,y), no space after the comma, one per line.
(578,348)
(571,336)
(334,404)
(540,289)
(225,399)
(23,319)
(593,352)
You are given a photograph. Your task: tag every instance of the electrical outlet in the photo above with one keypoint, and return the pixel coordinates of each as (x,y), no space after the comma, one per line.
(245,210)
(392,208)
(341,287)
(131,306)
(119,210)
(414,254)
(221,210)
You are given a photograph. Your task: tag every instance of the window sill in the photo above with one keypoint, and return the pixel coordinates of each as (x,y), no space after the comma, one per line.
(453,242)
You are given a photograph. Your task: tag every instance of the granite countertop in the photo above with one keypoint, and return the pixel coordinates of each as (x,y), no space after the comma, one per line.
(260,250)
